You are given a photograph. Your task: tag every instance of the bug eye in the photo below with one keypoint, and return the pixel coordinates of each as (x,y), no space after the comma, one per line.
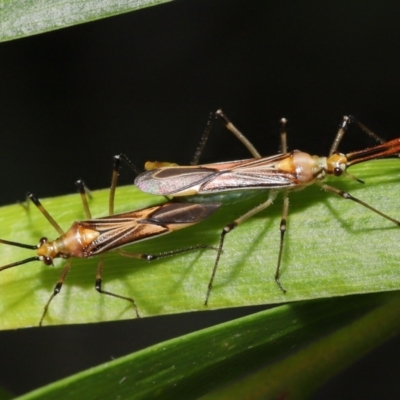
(47,260)
(337,171)
(42,240)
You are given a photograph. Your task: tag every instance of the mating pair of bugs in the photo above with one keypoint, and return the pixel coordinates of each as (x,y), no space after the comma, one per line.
(197,185)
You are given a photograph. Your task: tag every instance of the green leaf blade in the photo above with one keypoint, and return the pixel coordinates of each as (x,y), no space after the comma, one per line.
(21,18)
(197,363)
(333,248)
(298,374)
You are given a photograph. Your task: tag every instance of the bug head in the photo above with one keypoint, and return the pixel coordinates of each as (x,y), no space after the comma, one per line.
(44,250)
(336,164)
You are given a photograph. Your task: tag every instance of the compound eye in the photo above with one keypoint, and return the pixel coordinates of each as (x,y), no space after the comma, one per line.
(47,260)
(337,171)
(42,240)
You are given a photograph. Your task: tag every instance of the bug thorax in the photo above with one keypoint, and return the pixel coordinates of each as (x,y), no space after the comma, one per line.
(71,244)
(305,167)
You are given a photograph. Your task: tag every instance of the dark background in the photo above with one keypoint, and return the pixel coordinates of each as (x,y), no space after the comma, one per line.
(144,83)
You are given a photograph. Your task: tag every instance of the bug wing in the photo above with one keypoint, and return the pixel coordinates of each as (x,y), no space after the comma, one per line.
(178,215)
(255,173)
(259,173)
(174,180)
(103,234)
(110,233)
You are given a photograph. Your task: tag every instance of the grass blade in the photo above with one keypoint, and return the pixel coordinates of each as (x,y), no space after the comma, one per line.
(333,248)
(21,18)
(193,365)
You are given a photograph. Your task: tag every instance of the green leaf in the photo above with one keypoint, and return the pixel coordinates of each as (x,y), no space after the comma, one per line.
(298,374)
(339,330)
(5,394)
(20,18)
(333,248)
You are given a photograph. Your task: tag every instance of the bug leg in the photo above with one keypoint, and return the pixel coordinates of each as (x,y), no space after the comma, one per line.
(348,196)
(344,126)
(151,257)
(283,134)
(114,179)
(282,229)
(25,204)
(368,131)
(40,207)
(228,228)
(56,290)
(232,128)
(99,281)
(203,141)
(84,192)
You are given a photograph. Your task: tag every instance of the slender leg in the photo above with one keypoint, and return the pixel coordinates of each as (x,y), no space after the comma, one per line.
(99,281)
(25,204)
(229,228)
(348,196)
(203,141)
(114,180)
(282,229)
(116,166)
(56,290)
(151,257)
(49,218)
(283,133)
(344,126)
(143,256)
(366,130)
(238,134)
(26,261)
(148,257)
(83,191)
(229,125)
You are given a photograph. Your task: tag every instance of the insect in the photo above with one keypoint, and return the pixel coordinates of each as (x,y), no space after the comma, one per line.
(93,237)
(284,172)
